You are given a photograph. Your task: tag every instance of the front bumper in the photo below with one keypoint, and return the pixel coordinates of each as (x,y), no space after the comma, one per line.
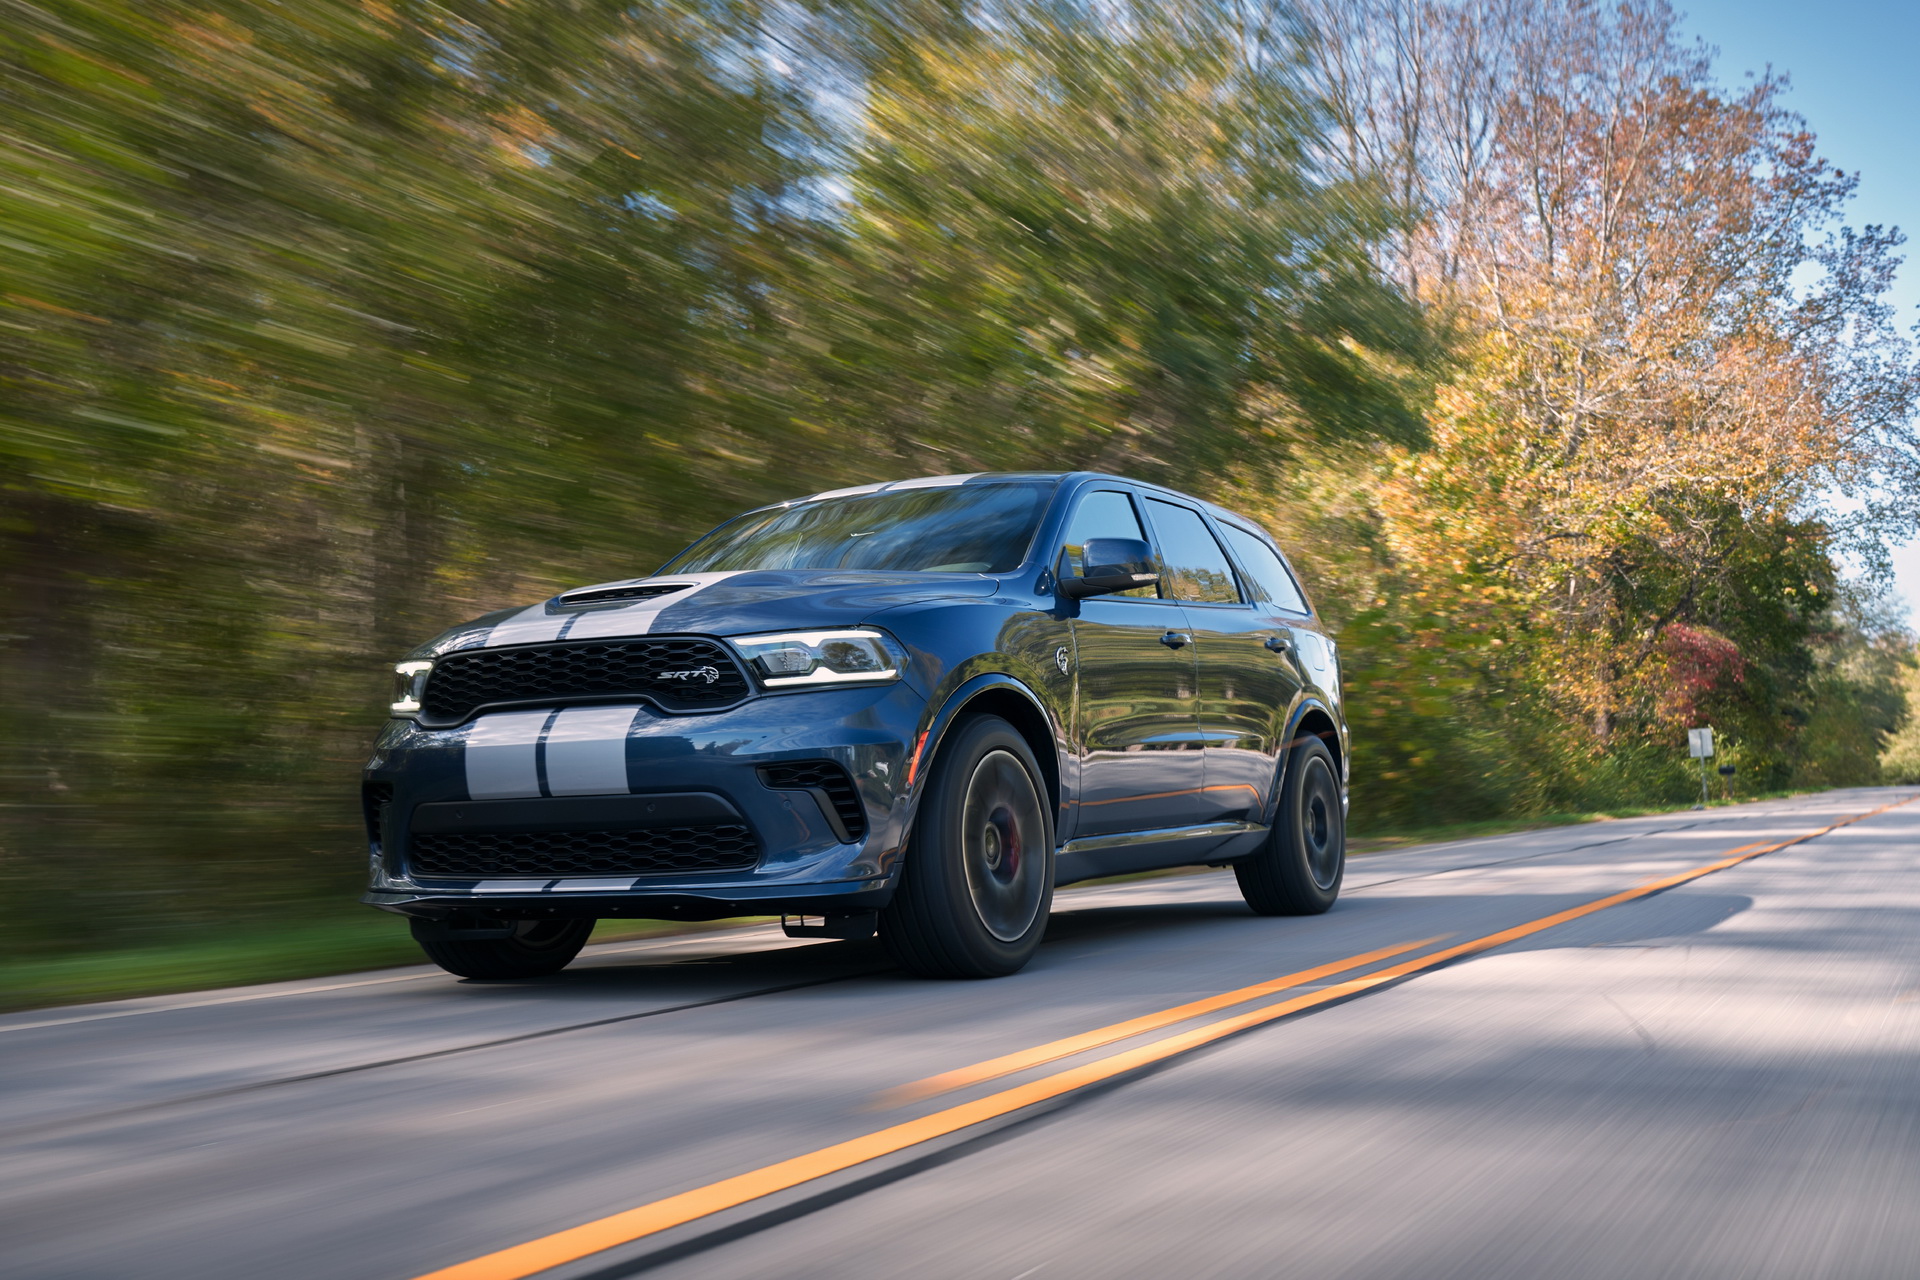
(676,766)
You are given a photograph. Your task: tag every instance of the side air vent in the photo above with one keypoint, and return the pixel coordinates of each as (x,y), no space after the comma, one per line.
(829,785)
(374,799)
(622,595)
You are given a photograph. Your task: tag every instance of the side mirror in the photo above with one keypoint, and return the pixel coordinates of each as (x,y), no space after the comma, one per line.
(1110,565)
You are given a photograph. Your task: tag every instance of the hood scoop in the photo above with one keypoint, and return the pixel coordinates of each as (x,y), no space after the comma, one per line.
(619,595)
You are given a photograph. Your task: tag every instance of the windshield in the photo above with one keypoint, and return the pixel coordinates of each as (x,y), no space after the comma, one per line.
(970,528)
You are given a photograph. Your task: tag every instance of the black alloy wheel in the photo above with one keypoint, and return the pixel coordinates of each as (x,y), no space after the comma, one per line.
(536,949)
(1298,871)
(978,881)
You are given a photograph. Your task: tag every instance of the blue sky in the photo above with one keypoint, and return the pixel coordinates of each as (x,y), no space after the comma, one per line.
(1852,64)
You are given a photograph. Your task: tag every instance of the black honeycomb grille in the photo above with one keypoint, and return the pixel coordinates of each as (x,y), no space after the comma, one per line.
(805,775)
(652,851)
(676,673)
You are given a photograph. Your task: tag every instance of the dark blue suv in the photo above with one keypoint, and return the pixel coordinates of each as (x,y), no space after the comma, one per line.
(912,707)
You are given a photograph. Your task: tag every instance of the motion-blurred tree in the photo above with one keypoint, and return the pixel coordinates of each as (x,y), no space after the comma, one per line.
(1097,236)
(323,325)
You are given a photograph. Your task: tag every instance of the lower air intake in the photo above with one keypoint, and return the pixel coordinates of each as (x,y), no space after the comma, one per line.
(470,855)
(823,775)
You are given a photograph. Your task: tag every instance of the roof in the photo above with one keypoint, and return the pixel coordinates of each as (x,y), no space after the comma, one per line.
(1000,477)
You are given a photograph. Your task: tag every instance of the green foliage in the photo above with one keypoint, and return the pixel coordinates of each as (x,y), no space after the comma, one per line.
(1117,250)
(313,341)
(1900,747)
(1463,701)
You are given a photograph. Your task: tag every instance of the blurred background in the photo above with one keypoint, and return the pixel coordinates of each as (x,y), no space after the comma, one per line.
(1547,352)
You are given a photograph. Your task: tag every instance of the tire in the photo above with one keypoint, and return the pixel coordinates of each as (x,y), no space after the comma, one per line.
(978,881)
(1298,871)
(536,949)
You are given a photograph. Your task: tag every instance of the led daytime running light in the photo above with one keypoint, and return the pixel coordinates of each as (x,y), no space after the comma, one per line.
(813,659)
(409,682)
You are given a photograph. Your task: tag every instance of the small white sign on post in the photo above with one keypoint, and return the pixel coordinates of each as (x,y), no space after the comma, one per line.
(1700,746)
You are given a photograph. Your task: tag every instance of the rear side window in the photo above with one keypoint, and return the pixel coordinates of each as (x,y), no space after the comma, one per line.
(1266,574)
(1197,570)
(1103,513)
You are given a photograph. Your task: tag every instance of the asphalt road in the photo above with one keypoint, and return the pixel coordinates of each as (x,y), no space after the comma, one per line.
(1721,1079)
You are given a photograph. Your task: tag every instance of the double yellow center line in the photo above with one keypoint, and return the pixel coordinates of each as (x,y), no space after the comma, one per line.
(1040,1055)
(562,1247)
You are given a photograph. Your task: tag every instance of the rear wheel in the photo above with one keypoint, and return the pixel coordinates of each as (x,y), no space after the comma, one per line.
(535,949)
(1298,871)
(978,881)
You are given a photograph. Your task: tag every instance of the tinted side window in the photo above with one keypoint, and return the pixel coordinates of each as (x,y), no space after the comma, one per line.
(1266,574)
(1197,569)
(1102,514)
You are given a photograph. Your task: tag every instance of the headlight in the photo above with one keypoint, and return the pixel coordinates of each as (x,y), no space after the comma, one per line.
(409,682)
(806,659)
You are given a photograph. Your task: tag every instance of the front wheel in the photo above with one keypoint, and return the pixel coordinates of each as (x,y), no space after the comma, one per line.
(1298,871)
(978,880)
(535,949)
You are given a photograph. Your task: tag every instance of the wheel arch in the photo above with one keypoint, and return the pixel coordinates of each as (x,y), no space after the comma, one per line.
(1315,721)
(1312,720)
(1009,698)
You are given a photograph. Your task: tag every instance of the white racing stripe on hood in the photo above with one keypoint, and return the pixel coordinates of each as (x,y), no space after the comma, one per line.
(637,619)
(845,493)
(535,625)
(529,626)
(586,751)
(930,482)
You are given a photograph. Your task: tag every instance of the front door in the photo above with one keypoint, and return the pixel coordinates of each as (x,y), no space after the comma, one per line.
(1136,731)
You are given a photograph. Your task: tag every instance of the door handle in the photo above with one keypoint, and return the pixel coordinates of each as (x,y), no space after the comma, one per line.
(1175,639)
(1278,644)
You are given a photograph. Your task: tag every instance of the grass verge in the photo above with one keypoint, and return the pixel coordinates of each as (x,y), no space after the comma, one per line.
(240,956)
(1400,838)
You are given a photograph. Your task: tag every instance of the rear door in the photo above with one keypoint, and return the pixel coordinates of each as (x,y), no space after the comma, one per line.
(1136,729)
(1277,595)
(1248,672)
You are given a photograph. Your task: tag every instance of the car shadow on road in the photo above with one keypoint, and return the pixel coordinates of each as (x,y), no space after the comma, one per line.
(772,967)
(1088,934)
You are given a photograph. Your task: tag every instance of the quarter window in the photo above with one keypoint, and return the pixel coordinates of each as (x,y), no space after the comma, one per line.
(1197,569)
(1266,574)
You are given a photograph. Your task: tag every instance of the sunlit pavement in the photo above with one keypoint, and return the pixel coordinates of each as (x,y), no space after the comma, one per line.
(1719,1080)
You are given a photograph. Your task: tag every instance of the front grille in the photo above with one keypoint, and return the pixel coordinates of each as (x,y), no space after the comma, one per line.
(676,673)
(481,855)
(805,775)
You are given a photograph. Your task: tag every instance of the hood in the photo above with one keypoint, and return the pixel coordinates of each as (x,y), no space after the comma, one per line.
(723,604)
